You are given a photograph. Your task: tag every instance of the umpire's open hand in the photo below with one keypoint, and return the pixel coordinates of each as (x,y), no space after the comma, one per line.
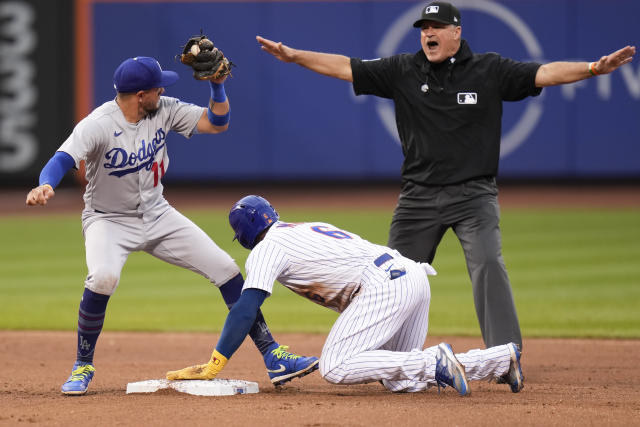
(280,51)
(611,62)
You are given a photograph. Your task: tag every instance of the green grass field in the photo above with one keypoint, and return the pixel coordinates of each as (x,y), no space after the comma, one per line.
(574,273)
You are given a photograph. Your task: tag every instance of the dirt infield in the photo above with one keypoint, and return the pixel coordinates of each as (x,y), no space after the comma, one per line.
(567,382)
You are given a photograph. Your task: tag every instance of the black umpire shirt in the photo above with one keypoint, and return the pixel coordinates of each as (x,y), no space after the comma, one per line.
(448,116)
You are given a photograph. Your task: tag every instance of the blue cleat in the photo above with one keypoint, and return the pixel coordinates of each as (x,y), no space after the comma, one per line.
(78,382)
(283,366)
(449,371)
(514,376)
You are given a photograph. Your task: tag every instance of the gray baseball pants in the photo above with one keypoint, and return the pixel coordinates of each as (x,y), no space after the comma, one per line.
(425,213)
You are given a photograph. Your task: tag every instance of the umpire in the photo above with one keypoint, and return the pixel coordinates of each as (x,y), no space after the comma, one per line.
(448,103)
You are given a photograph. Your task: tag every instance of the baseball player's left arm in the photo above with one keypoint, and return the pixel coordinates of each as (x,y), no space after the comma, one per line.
(557,73)
(239,321)
(215,118)
(50,177)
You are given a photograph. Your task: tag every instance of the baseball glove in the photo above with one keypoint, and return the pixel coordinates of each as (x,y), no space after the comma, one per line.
(208,62)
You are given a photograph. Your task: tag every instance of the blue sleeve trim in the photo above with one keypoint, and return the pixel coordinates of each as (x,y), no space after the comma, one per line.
(55,169)
(239,321)
(217,120)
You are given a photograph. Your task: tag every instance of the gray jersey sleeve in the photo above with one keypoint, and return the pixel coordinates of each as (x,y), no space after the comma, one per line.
(182,116)
(84,140)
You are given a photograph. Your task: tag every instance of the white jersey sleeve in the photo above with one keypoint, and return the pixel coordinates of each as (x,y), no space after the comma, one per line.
(266,262)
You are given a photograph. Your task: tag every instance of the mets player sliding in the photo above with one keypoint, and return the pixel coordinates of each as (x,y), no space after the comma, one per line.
(382,296)
(124,144)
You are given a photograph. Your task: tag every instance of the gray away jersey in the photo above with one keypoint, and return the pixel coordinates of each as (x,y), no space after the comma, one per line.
(126,161)
(315,260)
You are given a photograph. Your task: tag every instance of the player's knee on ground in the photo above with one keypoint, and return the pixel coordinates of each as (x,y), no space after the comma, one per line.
(333,374)
(102,281)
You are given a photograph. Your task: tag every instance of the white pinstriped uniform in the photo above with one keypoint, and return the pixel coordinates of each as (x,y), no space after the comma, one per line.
(125,210)
(383,322)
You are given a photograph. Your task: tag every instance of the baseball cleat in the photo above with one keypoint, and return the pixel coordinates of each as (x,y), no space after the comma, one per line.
(514,376)
(283,366)
(449,371)
(78,382)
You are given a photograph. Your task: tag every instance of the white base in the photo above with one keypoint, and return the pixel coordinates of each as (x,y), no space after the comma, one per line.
(214,387)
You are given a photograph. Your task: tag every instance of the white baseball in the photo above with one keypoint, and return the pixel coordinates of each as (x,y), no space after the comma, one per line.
(195,49)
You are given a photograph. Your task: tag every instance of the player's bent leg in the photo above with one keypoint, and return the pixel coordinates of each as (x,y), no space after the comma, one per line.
(353,352)
(107,246)
(411,336)
(181,242)
(406,368)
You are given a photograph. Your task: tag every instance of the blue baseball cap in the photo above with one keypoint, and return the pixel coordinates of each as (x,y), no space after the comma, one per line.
(142,73)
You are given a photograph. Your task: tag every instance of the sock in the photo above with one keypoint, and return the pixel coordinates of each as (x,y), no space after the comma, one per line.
(259,332)
(93,307)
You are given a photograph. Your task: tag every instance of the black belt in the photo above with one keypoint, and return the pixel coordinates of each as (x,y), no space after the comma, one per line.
(382,259)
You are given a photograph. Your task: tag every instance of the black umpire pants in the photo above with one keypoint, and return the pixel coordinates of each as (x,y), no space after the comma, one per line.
(425,213)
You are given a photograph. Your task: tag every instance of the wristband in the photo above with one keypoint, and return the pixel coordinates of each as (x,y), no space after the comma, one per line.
(592,70)
(217,362)
(217,92)
(217,120)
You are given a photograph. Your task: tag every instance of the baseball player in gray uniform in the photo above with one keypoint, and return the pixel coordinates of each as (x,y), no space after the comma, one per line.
(382,296)
(124,144)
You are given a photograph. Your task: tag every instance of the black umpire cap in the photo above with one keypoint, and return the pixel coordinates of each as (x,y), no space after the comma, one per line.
(439,11)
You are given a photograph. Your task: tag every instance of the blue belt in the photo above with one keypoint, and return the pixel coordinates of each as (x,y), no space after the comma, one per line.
(382,259)
(393,274)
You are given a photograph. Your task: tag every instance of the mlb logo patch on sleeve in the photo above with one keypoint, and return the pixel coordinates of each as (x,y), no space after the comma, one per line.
(467,98)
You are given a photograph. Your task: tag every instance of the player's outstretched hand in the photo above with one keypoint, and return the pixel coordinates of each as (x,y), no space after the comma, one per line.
(280,51)
(208,371)
(196,372)
(40,195)
(611,62)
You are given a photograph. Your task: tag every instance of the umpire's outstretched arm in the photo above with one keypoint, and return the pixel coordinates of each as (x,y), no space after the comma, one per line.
(328,64)
(557,73)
